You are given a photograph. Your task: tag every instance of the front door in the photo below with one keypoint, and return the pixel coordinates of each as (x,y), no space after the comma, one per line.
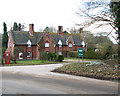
(20,56)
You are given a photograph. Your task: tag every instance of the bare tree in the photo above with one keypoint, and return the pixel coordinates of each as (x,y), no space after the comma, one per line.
(97,11)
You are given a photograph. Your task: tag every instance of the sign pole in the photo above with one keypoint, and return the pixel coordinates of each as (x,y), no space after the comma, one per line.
(79,62)
(80,53)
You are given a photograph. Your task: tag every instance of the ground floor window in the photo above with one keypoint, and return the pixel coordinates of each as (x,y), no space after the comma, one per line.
(47,52)
(59,53)
(29,54)
(20,55)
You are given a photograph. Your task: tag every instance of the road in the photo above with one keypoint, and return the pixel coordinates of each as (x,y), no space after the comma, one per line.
(15,83)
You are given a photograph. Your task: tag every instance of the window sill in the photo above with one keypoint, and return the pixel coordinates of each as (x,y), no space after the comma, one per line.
(28,56)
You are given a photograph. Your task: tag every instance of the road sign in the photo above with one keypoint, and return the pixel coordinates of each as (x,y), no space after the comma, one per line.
(80,52)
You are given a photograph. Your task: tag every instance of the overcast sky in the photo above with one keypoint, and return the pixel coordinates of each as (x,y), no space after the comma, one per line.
(41,13)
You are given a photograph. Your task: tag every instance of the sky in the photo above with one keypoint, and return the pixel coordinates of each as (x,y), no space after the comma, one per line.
(41,13)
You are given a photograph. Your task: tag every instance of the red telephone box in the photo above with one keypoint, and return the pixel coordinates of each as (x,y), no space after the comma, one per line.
(7,57)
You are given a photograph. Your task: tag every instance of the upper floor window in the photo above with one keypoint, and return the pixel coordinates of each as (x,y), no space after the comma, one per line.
(70,45)
(46,44)
(10,44)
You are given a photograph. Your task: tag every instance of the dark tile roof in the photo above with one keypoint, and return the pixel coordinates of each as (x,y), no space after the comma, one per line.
(21,37)
(76,38)
(57,37)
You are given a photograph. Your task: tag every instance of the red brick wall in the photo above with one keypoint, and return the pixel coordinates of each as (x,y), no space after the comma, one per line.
(17,52)
(46,39)
(32,49)
(65,50)
(70,40)
(37,52)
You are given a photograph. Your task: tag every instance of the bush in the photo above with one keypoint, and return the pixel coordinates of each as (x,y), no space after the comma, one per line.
(43,56)
(49,56)
(93,55)
(60,58)
(73,54)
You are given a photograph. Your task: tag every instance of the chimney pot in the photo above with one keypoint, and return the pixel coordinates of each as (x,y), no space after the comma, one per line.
(60,30)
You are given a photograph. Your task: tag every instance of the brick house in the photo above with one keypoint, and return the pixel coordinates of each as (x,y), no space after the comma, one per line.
(30,44)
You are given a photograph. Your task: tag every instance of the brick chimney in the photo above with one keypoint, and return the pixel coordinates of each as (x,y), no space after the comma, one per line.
(31,29)
(60,30)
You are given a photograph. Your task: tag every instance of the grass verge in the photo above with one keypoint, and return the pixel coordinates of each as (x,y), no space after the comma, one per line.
(30,62)
(68,58)
(97,70)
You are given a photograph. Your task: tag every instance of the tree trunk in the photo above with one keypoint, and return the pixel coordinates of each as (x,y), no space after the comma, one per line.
(119,45)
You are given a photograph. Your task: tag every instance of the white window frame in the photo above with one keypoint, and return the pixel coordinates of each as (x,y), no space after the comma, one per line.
(47,52)
(30,54)
(20,53)
(83,43)
(60,43)
(29,43)
(46,44)
(70,45)
(60,46)
(59,53)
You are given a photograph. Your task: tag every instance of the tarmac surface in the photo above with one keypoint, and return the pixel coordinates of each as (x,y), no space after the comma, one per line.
(58,80)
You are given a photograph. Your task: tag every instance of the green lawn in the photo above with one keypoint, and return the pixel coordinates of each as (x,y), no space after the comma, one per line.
(66,58)
(30,62)
(98,70)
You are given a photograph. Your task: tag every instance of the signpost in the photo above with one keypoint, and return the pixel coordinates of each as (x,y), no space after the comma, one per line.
(80,53)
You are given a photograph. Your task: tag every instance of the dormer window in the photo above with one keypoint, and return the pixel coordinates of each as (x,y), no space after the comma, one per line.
(70,45)
(47,44)
(60,43)
(83,44)
(29,43)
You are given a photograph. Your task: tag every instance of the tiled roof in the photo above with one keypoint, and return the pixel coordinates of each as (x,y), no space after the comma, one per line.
(21,37)
(57,37)
(76,38)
